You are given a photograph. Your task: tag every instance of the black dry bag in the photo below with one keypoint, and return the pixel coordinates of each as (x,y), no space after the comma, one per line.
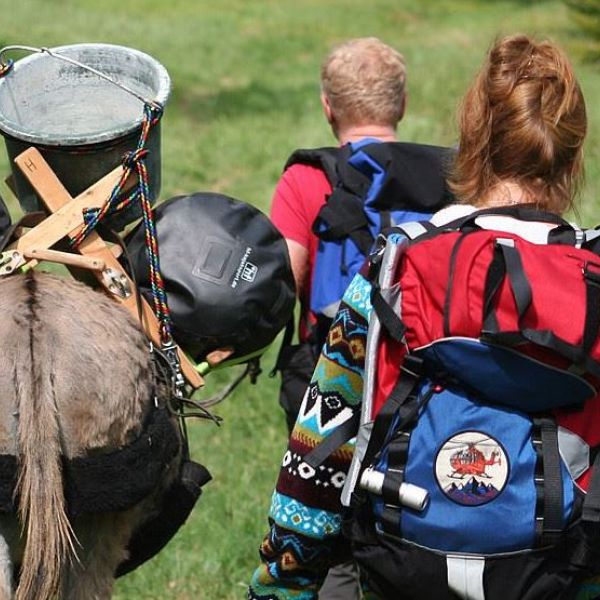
(226,270)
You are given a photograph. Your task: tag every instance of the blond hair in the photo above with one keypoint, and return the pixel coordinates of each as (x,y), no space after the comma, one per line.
(364,81)
(523,120)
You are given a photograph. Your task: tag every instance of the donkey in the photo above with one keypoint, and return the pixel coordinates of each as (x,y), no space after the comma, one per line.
(76,380)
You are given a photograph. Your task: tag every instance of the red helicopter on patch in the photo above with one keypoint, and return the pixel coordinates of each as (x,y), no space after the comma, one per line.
(469,460)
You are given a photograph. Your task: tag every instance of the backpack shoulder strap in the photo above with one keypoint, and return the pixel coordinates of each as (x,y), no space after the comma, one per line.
(413,230)
(343,215)
(564,233)
(591,240)
(522,212)
(325,158)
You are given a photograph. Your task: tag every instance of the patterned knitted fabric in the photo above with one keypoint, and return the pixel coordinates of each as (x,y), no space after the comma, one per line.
(589,590)
(305,511)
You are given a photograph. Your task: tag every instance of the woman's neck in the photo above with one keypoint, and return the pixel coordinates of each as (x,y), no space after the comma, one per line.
(506,193)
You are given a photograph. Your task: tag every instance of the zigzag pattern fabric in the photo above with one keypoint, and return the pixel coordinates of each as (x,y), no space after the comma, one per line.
(305,511)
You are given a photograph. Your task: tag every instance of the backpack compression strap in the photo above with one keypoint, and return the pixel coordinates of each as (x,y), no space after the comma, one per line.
(507,263)
(403,404)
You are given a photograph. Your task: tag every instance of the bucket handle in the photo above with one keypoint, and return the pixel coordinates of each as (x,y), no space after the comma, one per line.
(6,66)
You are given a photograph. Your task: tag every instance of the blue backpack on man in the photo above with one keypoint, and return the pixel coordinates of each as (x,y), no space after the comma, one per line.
(374,185)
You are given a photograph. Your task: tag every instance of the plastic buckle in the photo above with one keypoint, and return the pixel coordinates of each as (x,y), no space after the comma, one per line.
(169,349)
(592,276)
(413,365)
(376,255)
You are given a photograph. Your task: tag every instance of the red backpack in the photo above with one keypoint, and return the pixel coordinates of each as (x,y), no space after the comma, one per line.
(481,413)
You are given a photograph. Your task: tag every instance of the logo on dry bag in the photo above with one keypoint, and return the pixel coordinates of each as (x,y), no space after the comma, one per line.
(471,468)
(249,272)
(246,270)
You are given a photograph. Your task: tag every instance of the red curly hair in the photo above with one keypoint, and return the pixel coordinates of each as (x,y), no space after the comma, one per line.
(522,121)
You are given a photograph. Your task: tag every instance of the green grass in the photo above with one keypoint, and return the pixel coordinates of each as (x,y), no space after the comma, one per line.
(245,94)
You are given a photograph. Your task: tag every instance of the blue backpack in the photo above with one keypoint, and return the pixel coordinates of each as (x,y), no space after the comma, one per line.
(375,185)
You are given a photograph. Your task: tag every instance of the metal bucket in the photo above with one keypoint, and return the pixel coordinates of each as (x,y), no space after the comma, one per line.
(81,121)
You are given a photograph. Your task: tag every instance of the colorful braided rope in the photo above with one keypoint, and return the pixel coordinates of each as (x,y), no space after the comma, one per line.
(135,160)
(6,67)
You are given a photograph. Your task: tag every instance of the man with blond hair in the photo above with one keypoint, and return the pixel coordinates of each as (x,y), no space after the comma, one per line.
(363,95)
(363,91)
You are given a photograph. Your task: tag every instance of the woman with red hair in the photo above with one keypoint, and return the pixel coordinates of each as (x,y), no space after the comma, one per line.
(522,126)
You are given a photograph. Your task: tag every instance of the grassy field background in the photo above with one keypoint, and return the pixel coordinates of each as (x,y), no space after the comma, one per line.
(245,94)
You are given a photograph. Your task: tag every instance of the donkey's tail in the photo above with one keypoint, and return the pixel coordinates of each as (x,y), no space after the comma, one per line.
(50,540)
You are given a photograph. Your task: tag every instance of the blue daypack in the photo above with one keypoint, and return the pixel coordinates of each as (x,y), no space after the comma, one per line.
(375,185)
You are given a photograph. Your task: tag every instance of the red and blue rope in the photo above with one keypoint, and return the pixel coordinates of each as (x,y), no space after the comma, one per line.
(135,160)
(6,67)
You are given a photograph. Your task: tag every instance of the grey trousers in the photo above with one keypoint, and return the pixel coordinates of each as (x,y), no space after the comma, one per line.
(342,583)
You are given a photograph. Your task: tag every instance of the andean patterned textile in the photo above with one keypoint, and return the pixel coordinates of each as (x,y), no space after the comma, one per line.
(305,511)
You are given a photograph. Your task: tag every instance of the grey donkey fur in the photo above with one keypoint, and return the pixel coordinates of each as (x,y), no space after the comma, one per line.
(75,378)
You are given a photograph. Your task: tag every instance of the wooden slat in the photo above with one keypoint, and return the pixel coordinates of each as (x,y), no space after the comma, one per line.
(65,258)
(67,219)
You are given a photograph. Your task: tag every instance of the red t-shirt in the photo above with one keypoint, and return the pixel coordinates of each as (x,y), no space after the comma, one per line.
(298,197)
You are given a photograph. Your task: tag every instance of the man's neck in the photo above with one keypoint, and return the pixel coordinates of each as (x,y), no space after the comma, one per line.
(358,132)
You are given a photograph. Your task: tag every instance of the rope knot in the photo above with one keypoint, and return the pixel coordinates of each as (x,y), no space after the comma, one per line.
(153,112)
(6,67)
(130,159)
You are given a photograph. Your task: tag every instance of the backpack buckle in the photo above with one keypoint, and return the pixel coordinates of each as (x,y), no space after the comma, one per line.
(413,365)
(376,256)
(592,276)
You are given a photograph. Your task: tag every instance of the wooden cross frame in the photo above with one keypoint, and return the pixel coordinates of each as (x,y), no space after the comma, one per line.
(66,220)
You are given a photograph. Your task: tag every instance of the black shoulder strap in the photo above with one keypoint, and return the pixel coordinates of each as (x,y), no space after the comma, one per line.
(325,158)
(342,216)
(522,212)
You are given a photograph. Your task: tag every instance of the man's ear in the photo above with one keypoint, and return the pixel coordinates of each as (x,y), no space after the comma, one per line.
(326,108)
(403,107)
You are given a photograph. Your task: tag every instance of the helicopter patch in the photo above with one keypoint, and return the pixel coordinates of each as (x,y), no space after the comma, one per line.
(471,468)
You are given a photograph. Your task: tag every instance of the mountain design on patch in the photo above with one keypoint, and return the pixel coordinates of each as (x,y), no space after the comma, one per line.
(472,493)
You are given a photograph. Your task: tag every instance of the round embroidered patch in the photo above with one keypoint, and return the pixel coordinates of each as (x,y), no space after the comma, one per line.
(471,468)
